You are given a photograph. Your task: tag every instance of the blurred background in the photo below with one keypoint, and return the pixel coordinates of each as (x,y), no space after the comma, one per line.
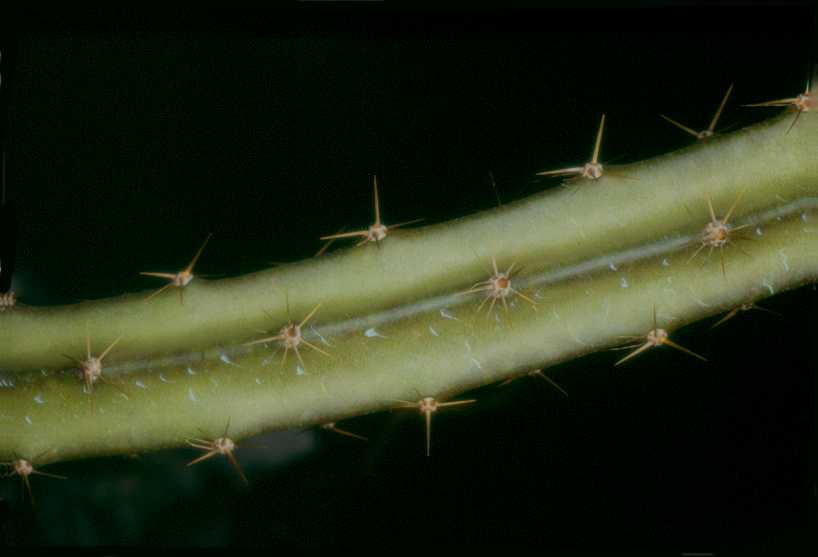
(128,140)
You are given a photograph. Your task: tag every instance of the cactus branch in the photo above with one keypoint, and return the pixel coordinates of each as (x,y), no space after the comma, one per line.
(595,256)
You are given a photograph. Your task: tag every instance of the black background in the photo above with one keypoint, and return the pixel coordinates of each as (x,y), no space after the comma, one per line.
(130,139)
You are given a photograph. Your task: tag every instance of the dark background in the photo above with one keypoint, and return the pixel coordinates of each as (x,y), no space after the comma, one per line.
(128,140)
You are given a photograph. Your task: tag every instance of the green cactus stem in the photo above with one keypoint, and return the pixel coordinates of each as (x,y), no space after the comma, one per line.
(394,318)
